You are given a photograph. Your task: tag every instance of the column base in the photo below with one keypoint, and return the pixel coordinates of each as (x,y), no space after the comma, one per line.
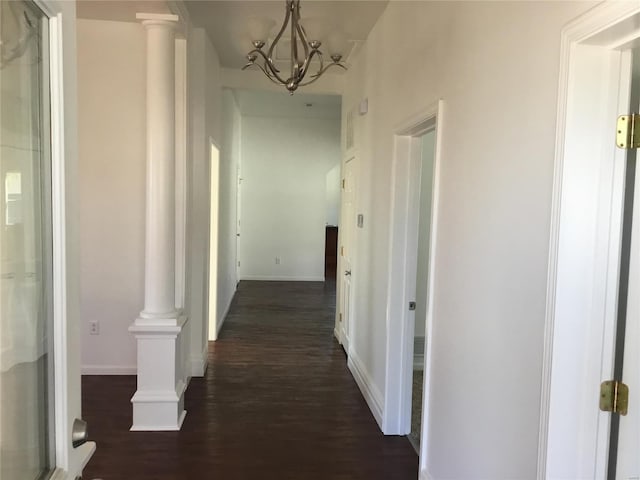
(158,411)
(158,404)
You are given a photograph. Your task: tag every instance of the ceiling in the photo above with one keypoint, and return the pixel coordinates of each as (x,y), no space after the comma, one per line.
(118,10)
(280,104)
(226,21)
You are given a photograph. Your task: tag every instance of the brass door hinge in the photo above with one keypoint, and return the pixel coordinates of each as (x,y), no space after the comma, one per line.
(343,183)
(340,317)
(628,131)
(614,397)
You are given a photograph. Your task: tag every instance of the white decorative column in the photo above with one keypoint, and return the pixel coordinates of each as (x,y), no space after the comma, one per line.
(158,403)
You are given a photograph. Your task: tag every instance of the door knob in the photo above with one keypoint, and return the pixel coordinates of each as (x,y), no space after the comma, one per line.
(79,433)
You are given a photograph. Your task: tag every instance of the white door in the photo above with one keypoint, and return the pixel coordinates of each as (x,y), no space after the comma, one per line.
(347,226)
(26,265)
(624,444)
(39,346)
(627,463)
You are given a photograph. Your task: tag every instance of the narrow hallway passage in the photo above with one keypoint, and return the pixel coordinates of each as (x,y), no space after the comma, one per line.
(277,402)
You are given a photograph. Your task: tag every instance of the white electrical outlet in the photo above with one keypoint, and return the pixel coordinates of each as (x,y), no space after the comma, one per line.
(94,327)
(277,260)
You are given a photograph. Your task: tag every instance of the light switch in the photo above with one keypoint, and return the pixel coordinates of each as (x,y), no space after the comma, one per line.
(363,108)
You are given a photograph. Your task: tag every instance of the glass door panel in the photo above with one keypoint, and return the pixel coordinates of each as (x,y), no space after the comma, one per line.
(26,363)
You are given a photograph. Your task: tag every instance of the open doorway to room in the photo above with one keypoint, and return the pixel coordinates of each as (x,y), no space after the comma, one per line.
(427,147)
(289,183)
(214,201)
(414,221)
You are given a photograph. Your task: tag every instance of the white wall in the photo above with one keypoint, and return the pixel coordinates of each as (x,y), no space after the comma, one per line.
(283,210)
(424,232)
(111,128)
(332,198)
(112,97)
(205,104)
(490,272)
(228,196)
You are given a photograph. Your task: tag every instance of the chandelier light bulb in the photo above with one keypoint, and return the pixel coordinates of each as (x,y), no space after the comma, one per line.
(337,44)
(259,29)
(314,28)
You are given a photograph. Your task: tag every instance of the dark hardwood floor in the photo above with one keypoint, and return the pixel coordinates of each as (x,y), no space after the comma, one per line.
(277,402)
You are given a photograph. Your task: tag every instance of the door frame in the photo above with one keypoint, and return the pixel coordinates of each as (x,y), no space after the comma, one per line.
(586,221)
(66,321)
(396,419)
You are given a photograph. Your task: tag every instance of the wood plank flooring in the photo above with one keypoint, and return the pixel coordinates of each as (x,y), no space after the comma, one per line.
(277,402)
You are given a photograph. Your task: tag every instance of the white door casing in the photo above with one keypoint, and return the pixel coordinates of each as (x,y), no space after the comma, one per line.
(402,260)
(66,335)
(585,241)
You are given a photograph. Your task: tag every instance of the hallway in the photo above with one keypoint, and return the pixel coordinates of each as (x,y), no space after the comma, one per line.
(277,402)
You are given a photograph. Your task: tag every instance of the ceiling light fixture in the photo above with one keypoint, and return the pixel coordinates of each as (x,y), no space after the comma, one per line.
(303,40)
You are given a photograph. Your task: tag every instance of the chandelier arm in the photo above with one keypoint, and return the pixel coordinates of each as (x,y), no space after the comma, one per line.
(307,61)
(272,72)
(303,39)
(316,76)
(268,64)
(265,71)
(279,35)
(271,76)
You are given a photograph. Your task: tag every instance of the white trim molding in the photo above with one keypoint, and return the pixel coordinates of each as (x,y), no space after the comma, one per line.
(62,88)
(109,370)
(223,318)
(274,278)
(424,475)
(584,241)
(200,363)
(369,390)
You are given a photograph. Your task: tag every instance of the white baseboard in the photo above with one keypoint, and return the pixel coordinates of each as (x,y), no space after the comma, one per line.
(109,370)
(276,278)
(226,312)
(424,475)
(370,392)
(199,364)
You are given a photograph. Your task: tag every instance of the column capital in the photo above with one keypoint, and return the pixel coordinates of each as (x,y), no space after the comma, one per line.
(158,19)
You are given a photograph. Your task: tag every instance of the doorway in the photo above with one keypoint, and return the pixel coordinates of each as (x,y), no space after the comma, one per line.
(408,172)
(592,311)
(214,201)
(348,223)
(419,307)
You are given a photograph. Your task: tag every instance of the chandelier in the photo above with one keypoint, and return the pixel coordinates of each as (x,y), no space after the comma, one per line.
(305,46)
